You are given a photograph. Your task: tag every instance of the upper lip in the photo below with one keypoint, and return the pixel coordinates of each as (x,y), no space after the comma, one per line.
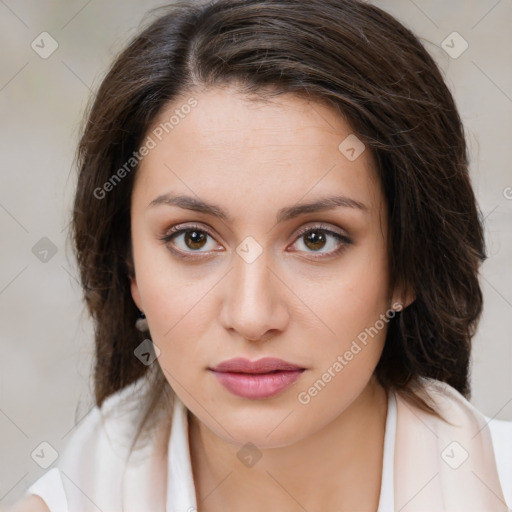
(264,365)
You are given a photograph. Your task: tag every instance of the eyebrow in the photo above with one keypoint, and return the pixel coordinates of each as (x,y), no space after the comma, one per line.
(284,214)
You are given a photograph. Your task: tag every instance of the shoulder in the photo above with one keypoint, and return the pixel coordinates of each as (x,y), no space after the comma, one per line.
(501,433)
(106,435)
(30,503)
(94,456)
(110,428)
(447,399)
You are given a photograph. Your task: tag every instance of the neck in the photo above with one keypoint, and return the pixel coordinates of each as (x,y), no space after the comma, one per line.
(337,468)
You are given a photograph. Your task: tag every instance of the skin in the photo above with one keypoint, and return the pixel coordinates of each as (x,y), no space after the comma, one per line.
(253,158)
(30,503)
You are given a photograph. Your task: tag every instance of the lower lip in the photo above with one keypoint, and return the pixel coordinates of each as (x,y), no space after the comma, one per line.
(262,385)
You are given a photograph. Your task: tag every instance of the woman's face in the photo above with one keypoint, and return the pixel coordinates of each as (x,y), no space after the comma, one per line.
(258,273)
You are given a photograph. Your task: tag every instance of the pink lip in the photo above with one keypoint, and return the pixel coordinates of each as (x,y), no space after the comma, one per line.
(259,379)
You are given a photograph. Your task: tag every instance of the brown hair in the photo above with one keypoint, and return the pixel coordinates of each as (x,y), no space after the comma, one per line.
(375,72)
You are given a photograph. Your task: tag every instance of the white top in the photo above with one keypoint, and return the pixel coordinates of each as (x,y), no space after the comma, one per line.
(92,443)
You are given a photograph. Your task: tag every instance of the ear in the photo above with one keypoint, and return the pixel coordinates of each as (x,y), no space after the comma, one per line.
(403,296)
(134,288)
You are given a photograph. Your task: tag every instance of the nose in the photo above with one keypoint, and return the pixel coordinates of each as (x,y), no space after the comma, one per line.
(254,300)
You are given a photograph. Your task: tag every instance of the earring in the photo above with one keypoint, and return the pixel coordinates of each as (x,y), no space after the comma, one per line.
(141,323)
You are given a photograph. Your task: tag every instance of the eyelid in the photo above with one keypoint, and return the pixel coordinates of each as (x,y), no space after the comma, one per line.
(323,227)
(183,228)
(186,227)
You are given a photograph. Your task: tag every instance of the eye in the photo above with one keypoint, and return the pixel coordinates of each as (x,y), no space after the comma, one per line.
(183,241)
(189,239)
(314,239)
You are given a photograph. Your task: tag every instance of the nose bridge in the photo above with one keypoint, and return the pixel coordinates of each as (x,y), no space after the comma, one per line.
(253,305)
(252,278)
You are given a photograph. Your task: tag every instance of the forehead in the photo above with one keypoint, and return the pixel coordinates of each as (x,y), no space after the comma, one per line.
(224,115)
(240,148)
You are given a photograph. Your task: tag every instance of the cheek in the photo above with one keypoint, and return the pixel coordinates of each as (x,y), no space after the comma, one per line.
(355,308)
(352,298)
(172,292)
(175,302)
(178,321)
(333,389)
(178,316)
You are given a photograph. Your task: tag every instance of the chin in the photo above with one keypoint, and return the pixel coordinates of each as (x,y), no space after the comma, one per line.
(264,429)
(261,439)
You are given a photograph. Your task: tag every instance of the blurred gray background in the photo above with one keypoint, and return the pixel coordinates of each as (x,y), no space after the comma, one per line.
(46,338)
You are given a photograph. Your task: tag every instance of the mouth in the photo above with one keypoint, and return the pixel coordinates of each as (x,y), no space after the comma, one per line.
(264,365)
(260,379)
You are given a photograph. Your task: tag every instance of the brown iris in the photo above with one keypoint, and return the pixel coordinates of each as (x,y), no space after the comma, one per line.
(313,238)
(195,239)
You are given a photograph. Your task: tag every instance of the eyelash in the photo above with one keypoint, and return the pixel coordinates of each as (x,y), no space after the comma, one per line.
(179,229)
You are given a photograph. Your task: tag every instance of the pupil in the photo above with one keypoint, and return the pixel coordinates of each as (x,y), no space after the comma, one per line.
(315,237)
(194,239)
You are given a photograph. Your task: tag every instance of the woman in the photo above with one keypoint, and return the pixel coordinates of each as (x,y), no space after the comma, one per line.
(279,245)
